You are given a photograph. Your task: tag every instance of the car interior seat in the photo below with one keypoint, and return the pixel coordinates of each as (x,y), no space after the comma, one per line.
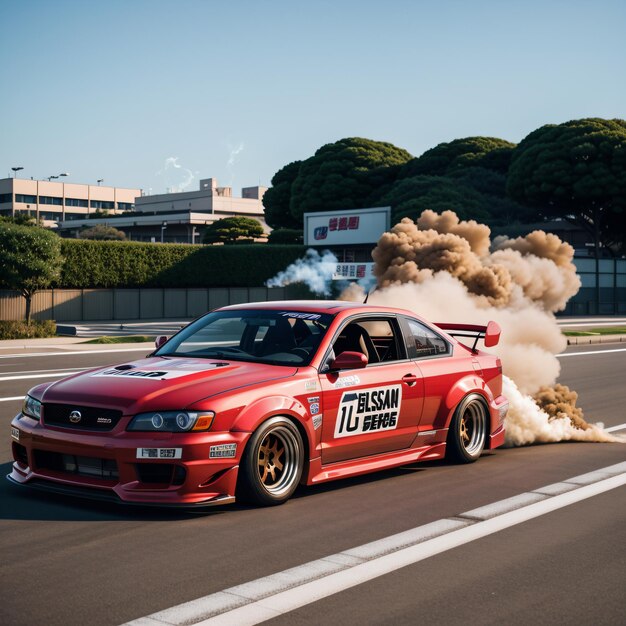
(278,338)
(355,338)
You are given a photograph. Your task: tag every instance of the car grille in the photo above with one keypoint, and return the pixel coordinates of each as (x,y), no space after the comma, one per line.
(20,454)
(80,465)
(91,418)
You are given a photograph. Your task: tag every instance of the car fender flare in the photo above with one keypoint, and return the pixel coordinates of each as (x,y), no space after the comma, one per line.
(462,388)
(254,414)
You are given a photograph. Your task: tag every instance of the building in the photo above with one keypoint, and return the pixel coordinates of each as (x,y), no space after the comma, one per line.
(59,202)
(178,217)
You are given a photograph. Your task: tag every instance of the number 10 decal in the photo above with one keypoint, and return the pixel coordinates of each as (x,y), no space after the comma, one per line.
(370,410)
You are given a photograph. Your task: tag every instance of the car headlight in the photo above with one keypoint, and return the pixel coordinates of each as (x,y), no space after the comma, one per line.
(32,408)
(172,421)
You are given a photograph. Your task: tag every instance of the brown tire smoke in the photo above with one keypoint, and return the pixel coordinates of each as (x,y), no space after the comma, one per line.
(448,270)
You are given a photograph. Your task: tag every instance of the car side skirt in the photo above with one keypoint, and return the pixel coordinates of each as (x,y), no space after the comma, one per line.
(319,473)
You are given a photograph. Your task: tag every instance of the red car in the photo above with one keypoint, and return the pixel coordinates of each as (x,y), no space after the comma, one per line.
(253,400)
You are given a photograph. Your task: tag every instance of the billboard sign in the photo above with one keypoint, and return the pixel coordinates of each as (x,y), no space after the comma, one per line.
(340,228)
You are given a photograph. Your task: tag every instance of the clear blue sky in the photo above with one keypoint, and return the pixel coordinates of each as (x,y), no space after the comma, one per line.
(237,89)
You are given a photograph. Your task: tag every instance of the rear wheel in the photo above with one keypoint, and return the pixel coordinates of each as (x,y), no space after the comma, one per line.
(468,430)
(271,466)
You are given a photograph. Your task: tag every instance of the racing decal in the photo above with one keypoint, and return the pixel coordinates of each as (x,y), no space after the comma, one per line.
(317,421)
(310,385)
(15,433)
(370,410)
(313,399)
(301,316)
(223,451)
(314,408)
(159,453)
(347,381)
(172,370)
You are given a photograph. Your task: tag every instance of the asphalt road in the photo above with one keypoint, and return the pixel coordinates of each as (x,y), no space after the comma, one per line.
(69,562)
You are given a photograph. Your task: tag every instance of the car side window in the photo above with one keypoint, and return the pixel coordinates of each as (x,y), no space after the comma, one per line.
(379,339)
(427,343)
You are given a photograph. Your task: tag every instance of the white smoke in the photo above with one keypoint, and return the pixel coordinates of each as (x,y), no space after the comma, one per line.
(175,176)
(233,153)
(526,423)
(314,269)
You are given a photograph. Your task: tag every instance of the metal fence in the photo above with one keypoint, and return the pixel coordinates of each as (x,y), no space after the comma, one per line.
(77,305)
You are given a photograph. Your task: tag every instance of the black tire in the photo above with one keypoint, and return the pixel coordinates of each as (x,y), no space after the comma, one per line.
(271,466)
(468,430)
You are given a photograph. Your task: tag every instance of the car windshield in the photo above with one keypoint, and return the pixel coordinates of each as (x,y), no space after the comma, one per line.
(264,336)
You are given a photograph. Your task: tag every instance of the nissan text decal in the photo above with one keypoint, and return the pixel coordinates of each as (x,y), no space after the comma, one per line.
(336,223)
(370,410)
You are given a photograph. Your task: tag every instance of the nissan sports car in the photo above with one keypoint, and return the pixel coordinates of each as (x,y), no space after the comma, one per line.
(250,401)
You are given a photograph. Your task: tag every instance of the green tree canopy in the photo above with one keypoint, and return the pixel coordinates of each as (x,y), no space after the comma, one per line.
(21,218)
(30,258)
(102,232)
(575,171)
(286,236)
(277,198)
(232,229)
(344,174)
(487,152)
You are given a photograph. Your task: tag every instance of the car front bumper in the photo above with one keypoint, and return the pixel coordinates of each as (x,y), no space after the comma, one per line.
(165,469)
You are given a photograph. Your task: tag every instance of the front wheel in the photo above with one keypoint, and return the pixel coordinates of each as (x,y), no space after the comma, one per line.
(468,430)
(271,466)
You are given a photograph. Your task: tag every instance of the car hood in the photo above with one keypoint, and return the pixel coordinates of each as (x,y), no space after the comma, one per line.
(158,383)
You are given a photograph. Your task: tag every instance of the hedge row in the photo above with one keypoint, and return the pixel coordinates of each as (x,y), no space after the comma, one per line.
(106,264)
(22,330)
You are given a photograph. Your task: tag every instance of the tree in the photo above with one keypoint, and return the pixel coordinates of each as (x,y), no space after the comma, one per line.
(21,219)
(102,232)
(487,152)
(410,196)
(286,236)
(344,174)
(277,198)
(576,171)
(228,230)
(31,259)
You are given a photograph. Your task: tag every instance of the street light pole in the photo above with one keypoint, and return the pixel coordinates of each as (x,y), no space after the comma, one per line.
(16,170)
(163,227)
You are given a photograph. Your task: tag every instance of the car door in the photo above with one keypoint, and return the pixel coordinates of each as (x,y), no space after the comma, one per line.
(376,408)
(439,369)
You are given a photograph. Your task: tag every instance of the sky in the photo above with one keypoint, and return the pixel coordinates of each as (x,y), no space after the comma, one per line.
(157,95)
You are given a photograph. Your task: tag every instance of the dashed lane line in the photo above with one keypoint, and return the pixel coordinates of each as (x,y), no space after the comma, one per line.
(564,354)
(612,429)
(269,597)
(147,350)
(50,375)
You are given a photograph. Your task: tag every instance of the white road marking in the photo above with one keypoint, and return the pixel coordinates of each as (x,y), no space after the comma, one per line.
(564,354)
(611,429)
(66,369)
(51,375)
(147,350)
(275,595)
(13,398)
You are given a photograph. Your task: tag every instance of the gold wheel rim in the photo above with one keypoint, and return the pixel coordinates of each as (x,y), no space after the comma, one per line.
(271,460)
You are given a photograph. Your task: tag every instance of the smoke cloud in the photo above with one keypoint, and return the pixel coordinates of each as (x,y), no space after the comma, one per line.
(175,176)
(448,270)
(314,269)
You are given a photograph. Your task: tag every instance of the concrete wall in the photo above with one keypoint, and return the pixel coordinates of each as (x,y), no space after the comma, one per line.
(76,305)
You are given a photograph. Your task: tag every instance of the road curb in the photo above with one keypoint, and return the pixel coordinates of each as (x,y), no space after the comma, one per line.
(594,339)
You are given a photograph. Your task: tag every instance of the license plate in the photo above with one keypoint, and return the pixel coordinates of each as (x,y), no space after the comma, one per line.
(15,433)
(159,453)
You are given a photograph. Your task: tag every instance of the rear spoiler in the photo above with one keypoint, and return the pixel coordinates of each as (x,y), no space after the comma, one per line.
(490,333)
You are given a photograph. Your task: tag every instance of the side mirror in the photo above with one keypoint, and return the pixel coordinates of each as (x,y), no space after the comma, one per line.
(492,335)
(160,340)
(349,361)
